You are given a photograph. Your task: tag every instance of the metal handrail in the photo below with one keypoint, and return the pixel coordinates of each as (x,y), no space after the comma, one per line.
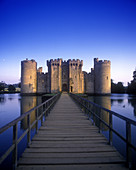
(46,106)
(86,104)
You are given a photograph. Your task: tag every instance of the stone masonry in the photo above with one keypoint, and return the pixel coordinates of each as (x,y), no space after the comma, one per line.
(65,76)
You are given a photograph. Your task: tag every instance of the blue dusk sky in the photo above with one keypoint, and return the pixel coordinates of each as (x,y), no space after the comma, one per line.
(68,29)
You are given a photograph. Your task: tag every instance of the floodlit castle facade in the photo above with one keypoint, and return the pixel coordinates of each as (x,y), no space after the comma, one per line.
(65,76)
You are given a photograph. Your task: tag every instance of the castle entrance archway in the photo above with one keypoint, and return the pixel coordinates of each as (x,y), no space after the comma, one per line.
(64,87)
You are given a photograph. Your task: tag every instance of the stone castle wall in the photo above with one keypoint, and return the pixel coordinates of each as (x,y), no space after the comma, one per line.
(89,82)
(42,81)
(102,76)
(76,77)
(28,76)
(55,75)
(65,76)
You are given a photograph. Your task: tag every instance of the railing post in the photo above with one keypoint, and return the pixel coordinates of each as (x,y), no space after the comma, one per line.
(99,114)
(42,117)
(36,120)
(93,123)
(46,108)
(128,140)
(110,126)
(29,130)
(49,106)
(89,107)
(14,154)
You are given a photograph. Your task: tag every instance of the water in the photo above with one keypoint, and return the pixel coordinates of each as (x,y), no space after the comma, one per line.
(14,105)
(11,107)
(125,105)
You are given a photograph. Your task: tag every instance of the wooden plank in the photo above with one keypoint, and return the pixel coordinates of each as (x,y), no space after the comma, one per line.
(62,132)
(70,155)
(68,135)
(70,143)
(68,123)
(58,145)
(41,138)
(71,150)
(68,140)
(75,167)
(70,128)
(55,161)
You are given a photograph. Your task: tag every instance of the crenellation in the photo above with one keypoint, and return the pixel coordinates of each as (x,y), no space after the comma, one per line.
(32,60)
(39,70)
(92,69)
(66,76)
(97,61)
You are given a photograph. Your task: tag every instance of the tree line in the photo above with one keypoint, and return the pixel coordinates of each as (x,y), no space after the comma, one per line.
(120,88)
(9,87)
(115,87)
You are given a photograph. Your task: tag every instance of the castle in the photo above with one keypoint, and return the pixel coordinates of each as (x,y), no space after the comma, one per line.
(65,76)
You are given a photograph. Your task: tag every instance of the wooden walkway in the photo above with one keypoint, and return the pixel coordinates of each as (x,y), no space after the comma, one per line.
(68,141)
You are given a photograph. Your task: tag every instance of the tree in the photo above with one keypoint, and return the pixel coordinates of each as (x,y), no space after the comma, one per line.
(11,88)
(2,86)
(19,85)
(131,87)
(117,88)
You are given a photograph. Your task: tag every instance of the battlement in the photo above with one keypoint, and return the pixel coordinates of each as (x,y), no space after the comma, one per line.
(54,62)
(64,62)
(60,61)
(97,61)
(66,75)
(75,62)
(29,61)
(39,70)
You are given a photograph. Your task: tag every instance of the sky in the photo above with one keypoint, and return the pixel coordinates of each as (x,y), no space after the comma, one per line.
(68,29)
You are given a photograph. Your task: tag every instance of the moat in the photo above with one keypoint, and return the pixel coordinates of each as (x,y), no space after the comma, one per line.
(14,105)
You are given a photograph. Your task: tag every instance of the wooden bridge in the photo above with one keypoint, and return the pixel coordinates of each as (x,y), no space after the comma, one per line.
(67,140)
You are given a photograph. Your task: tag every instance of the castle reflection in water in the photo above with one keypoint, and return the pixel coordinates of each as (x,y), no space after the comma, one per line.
(105,102)
(122,104)
(27,103)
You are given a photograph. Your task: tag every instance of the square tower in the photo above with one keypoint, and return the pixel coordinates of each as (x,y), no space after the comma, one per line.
(55,75)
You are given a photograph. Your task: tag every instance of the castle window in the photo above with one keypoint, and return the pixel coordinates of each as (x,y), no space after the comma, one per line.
(30,77)
(107,77)
(30,85)
(75,76)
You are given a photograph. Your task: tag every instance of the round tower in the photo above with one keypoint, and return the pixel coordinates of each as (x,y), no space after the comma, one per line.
(28,76)
(102,76)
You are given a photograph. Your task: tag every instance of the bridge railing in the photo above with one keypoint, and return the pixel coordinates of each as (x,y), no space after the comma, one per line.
(95,113)
(43,108)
